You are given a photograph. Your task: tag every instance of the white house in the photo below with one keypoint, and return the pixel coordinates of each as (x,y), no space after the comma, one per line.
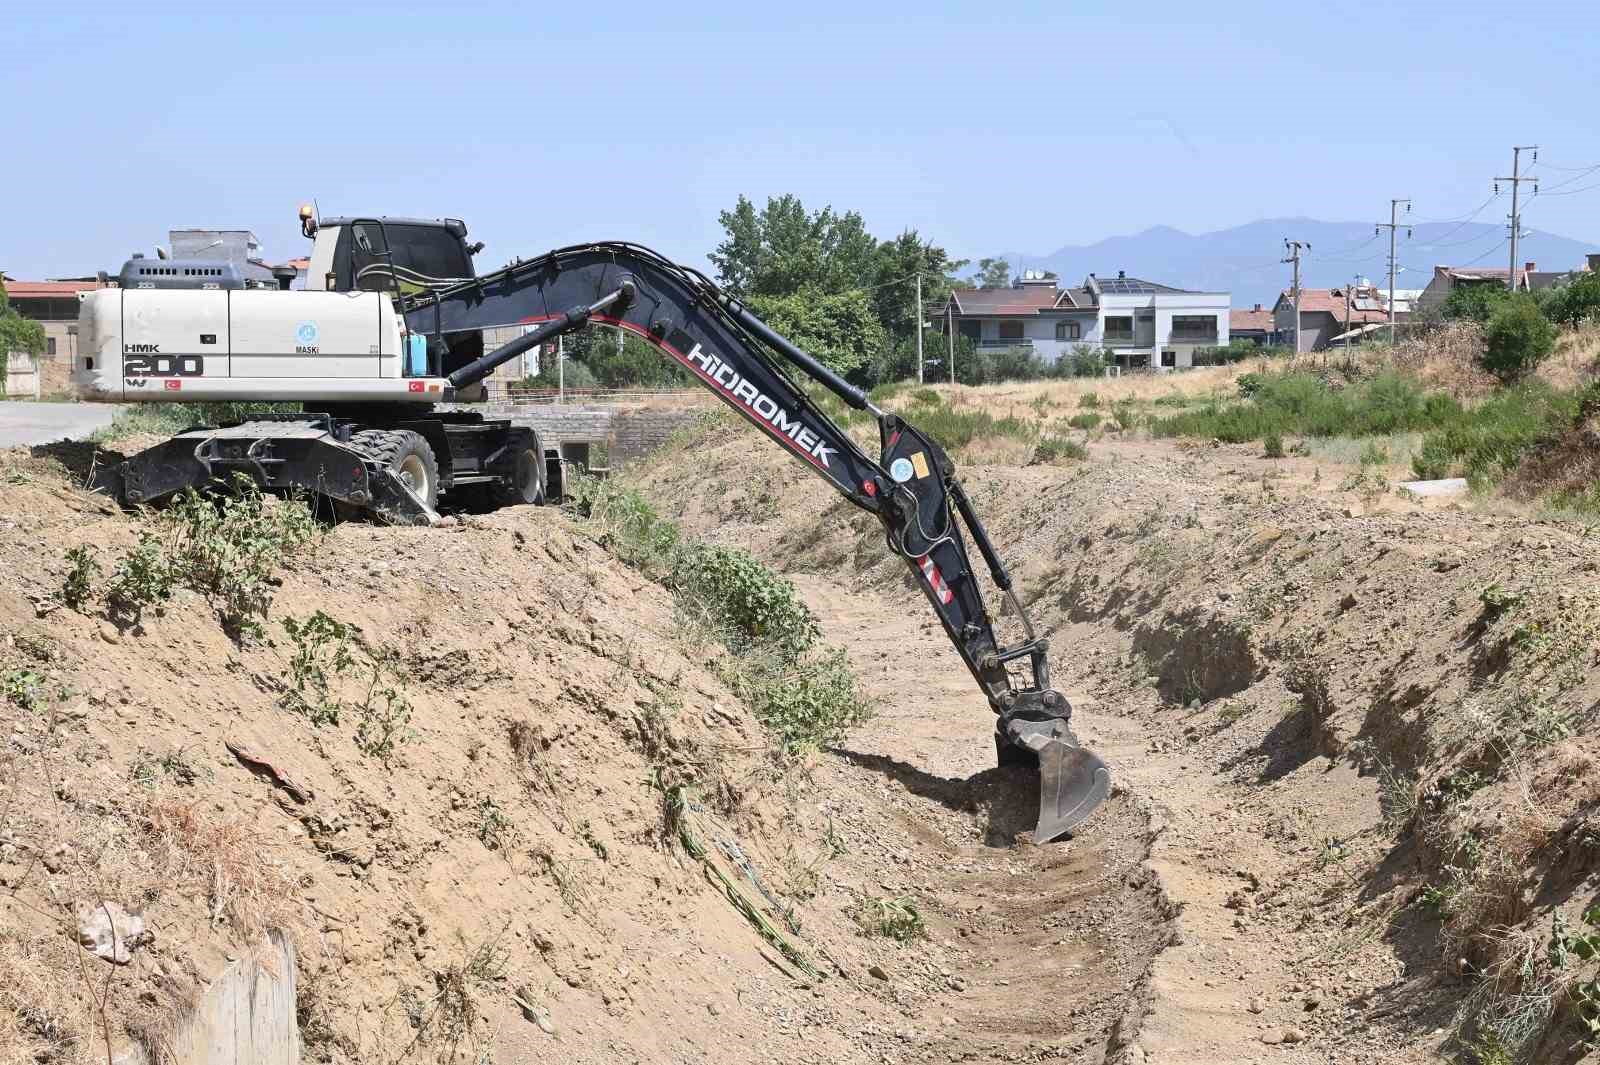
(1145,324)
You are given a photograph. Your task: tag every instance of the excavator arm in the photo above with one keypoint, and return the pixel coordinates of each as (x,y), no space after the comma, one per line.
(912,488)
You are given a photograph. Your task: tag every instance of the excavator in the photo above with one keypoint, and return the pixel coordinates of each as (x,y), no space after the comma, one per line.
(385,341)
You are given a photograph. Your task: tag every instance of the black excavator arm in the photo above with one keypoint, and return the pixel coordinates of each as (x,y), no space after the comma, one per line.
(912,488)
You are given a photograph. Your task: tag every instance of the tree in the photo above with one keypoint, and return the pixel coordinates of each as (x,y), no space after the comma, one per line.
(784,248)
(16,334)
(1474,302)
(1575,301)
(894,286)
(992,273)
(838,328)
(1517,338)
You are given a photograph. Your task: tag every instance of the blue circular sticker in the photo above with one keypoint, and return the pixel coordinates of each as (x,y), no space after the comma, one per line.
(305,334)
(900,469)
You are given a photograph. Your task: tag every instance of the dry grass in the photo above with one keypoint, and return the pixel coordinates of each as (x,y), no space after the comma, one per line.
(1022,398)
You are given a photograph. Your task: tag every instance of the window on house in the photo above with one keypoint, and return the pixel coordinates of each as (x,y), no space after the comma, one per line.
(1010,330)
(971,329)
(1169,359)
(1119,328)
(1069,331)
(1194,327)
(49,345)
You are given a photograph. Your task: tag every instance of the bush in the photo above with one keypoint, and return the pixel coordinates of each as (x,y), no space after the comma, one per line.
(746,597)
(1084,421)
(1489,440)
(1055,449)
(1576,301)
(1273,446)
(1089,400)
(1474,302)
(1084,361)
(804,693)
(1517,338)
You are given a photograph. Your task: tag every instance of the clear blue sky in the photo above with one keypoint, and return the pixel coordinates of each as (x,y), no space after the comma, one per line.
(988,127)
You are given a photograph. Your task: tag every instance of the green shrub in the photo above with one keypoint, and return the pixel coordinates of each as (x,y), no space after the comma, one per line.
(1576,301)
(1272,446)
(1248,384)
(323,652)
(143,577)
(1517,338)
(803,693)
(926,396)
(78,584)
(1474,303)
(1084,421)
(1489,440)
(746,597)
(229,548)
(1055,449)
(1432,462)
(1374,453)
(1089,400)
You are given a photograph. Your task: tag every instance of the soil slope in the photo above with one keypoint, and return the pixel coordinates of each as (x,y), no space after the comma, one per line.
(1366,763)
(508,883)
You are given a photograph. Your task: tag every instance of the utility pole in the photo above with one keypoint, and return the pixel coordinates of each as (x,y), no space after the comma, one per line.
(561,368)
(950,335)
(1393,223)
(1516,180)
(919,327)
(1293,248)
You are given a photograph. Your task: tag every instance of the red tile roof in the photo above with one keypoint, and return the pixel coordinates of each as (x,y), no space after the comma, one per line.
(1262,320)
(1331,301)
(21,290)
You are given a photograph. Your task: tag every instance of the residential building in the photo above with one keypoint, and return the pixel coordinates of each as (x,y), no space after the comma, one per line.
(1146,325)
(54,305)
(1446,279)
(1331,314)
(1538,280)
(1255,324)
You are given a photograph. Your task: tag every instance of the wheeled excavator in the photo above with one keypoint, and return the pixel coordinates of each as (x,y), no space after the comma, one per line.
(388,330)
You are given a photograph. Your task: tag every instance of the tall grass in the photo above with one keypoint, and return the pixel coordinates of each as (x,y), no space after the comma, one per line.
(137,419)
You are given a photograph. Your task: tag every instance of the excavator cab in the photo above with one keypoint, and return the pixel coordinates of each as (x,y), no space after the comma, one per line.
(405,257)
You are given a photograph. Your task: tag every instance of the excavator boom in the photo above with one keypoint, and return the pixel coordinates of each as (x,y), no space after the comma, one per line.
(911,488)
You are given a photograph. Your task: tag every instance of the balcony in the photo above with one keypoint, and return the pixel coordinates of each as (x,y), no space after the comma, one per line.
(1186,337)
(1021,342)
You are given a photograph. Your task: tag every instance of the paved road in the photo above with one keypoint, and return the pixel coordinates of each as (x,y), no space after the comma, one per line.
(22,424)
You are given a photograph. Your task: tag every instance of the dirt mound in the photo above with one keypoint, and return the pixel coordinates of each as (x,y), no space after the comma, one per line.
(1369,719)
(505,806)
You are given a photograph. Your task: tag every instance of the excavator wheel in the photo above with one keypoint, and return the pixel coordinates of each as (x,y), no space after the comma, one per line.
(524,485)
(407,455)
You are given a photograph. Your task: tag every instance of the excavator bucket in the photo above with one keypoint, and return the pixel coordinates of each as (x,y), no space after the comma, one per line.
(1073,781)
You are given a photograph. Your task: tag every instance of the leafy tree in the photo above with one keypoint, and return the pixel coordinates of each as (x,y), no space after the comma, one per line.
(1575,301)
(783,248)
(894,292)
(992,273)
(1517,338)
(1475,303)
(838,328)
(16,334)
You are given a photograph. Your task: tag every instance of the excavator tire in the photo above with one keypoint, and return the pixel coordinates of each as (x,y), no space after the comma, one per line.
(407,454)
(525,483)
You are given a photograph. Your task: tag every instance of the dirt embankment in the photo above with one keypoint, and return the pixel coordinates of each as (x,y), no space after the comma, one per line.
(1366,723)
(467,827)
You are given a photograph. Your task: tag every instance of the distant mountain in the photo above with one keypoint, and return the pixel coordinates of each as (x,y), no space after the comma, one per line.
(1244,260)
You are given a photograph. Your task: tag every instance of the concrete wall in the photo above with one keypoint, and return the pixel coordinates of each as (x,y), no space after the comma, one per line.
(1040,330)
(628,434)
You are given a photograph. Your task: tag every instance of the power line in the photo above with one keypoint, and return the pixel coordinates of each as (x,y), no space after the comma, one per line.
(1570,192)
(1568,169)
(1503,242)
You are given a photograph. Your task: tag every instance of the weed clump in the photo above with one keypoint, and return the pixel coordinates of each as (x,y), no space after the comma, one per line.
(326,651)
(228,548)
(896,918)
(803,692)
(1057,449)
